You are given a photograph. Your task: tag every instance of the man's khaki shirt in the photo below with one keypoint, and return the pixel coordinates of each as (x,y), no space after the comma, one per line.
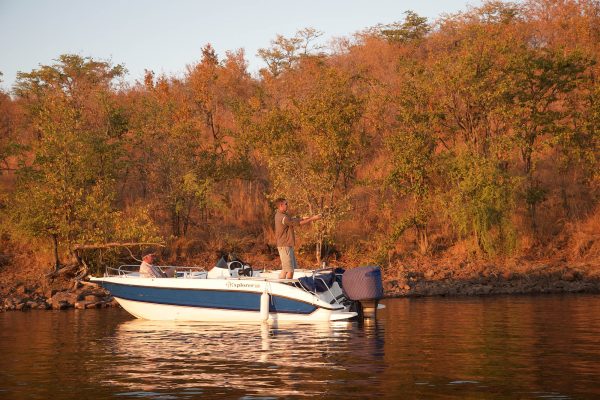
(284,229)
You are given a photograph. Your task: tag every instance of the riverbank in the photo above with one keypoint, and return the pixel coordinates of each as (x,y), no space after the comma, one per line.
(453,277)
(64,291)
(492,286)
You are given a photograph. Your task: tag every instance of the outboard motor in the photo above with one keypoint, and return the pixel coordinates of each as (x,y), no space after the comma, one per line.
(363,285)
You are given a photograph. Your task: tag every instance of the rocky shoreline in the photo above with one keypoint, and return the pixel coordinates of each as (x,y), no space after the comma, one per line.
(81,296)
(492,285)
(84,295)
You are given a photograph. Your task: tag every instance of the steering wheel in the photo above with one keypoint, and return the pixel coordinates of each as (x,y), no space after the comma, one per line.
(233,265)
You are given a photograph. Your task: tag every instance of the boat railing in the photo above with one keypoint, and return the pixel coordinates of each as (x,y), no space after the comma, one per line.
(132,270)
(332,270)
(188,272)
(329,290)
(314,278)
(123,270)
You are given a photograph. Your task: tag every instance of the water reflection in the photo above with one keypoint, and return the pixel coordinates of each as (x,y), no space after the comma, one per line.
(249,358)
(493,348)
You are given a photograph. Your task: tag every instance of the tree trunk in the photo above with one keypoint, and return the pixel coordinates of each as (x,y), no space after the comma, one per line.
(175,222)
(186,219)
(55,245)
(319,249)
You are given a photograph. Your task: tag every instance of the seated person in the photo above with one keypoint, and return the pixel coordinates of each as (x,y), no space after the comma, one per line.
(147,270)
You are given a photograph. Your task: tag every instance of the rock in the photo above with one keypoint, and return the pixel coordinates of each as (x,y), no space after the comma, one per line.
(31,304)
(113,303)
(21,307)
(390,285)
(9,304)
(80,305)
(45,305)
(429,274)
(91,298)
(61,305)
(569,275)
(486,289)
(63,297)
(94,305)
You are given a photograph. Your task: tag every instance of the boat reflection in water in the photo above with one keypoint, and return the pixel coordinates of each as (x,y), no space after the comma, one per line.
(230,359)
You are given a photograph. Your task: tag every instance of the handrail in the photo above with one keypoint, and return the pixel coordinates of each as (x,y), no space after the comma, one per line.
(329,290)
(315,272)
(128,269)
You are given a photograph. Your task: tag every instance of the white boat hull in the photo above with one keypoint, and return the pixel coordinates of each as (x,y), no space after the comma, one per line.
(162,312)
(221,300)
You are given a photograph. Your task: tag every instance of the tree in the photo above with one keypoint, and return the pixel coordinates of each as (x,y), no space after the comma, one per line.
(187,131)
(470,80)
(413,28)
(312,144)
(170,159)
(66,192)
(479,199)
(285,53)
(411,150)
(9,146)
(539,82)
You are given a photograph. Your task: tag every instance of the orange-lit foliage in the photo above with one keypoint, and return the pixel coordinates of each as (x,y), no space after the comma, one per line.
(475,137)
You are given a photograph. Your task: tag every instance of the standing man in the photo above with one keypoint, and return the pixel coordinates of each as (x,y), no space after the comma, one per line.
(284,232)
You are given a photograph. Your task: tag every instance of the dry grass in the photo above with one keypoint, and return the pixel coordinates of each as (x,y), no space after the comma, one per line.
(26,265)
(584,243)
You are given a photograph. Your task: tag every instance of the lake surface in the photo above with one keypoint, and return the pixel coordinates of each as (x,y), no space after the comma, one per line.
(463,348)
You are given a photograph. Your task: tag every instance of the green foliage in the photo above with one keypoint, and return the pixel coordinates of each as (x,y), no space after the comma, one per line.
(9,146)
(413,28)
(285,53)
(579,143)
(312,149)
(412,159)
(136,224)
(480,201)
(459,131)
(535,195)
(538,79)
(66,192)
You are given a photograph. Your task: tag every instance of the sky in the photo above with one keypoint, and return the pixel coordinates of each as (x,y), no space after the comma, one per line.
(166,36)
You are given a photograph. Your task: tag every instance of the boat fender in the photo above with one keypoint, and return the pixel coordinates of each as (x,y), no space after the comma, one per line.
(264,305)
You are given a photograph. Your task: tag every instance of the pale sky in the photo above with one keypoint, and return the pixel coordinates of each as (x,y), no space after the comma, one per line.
(165,36)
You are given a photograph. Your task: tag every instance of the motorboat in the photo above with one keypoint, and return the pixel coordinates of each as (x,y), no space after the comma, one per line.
(234,291)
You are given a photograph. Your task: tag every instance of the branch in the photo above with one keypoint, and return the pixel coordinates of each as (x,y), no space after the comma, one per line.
(114,244)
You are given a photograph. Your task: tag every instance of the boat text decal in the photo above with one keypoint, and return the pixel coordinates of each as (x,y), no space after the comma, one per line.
(239,285)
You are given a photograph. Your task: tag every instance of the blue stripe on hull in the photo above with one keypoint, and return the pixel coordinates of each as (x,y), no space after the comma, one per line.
(230,300)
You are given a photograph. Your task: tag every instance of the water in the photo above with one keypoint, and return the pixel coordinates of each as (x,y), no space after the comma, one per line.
(467,348)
